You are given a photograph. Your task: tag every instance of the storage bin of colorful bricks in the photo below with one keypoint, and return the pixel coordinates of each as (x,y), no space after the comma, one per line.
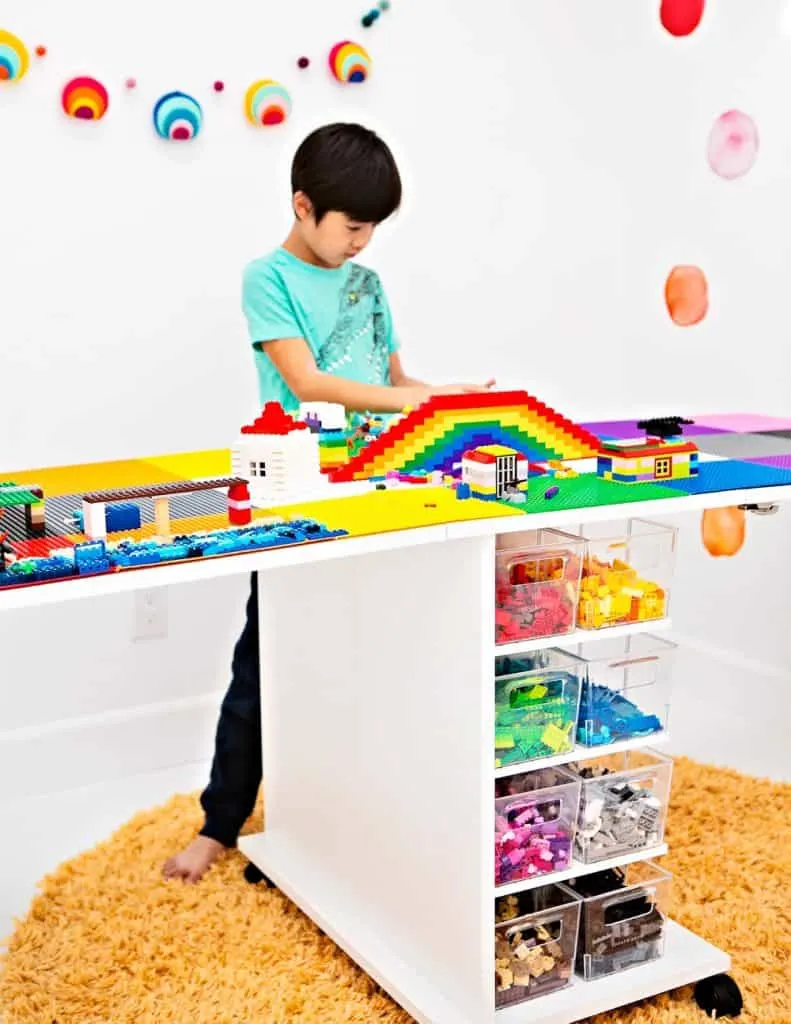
(534,823)
(625,688)
(627,571)
(535,940)
(536,705)
(622,918)
(623,803)
(537,584)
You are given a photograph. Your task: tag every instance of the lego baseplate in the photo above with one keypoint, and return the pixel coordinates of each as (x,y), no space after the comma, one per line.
(730,460)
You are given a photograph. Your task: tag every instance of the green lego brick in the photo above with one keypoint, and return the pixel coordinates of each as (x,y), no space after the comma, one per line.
(10,499)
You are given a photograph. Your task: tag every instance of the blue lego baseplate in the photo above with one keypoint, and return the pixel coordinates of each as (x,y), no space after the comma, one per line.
(95,557)
(730,475)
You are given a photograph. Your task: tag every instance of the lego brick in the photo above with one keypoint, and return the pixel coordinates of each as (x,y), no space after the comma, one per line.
(728,475)
(123,516)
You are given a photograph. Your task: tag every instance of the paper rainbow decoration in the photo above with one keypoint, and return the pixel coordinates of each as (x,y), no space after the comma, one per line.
(266,102)
(14,58)
(85,98)
(349,62)
(177,116)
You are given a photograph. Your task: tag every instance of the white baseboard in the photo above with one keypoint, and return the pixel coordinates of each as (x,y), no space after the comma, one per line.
(76,752)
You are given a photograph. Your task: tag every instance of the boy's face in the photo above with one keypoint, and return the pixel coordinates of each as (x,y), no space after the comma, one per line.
(336,239)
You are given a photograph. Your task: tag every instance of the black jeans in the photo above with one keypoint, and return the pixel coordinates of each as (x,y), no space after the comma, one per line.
(230,796)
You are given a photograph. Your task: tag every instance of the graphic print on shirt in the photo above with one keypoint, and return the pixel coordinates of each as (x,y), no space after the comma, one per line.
(360,332)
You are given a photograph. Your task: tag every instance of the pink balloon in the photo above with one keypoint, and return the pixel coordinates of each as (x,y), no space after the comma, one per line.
(733,145)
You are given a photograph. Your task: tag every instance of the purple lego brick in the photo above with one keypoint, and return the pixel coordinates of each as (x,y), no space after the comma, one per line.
(623,429)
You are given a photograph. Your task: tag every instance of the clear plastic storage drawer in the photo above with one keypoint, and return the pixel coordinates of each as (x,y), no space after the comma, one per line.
(537,583)
(626,573)
(535,816)
(535,941)
(623,918)
(623,803)
(625,688)
(536,705)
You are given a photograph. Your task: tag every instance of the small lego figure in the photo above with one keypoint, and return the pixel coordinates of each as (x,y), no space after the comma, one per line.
(6,552)
(359,439)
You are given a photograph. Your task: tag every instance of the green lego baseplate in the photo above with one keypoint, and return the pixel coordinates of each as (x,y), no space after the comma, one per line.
(588,491)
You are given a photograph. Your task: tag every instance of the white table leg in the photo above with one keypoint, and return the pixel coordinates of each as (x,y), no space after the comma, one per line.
(378,764)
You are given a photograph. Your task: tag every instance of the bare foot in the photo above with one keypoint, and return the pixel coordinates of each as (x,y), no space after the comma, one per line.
(193,863)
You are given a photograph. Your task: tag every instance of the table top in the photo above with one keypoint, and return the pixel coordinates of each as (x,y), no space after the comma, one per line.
(742,458)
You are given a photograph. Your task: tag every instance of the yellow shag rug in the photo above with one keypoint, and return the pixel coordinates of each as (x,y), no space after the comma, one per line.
(107,941)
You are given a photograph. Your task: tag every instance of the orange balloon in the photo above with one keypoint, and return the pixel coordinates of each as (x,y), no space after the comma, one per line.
(722,530)
(686,295)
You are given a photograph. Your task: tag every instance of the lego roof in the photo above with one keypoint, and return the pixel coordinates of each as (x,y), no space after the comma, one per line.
(639,449)
(274,420)
(488,453)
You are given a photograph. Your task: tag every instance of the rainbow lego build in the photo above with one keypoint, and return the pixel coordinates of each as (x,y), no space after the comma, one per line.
(436,434)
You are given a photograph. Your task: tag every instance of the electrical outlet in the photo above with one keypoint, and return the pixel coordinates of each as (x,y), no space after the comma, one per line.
(151,614)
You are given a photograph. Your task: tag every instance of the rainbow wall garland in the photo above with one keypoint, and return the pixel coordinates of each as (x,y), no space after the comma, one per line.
(177,116)
(266,103)
(85,98)
(14,57)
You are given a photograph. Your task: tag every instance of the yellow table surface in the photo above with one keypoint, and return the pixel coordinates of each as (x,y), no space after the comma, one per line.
(361,515)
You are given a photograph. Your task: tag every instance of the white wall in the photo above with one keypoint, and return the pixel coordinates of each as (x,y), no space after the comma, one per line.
(554,163)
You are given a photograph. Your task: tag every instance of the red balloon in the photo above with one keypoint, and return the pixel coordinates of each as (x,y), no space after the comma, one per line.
(681,17)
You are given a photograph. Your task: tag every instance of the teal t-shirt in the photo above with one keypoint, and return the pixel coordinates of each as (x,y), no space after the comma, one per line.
(341,313)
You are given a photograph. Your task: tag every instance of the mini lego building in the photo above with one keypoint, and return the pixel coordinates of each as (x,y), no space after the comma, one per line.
(31,498)
(643,461)
(95,521)
(278,456)
(495,472)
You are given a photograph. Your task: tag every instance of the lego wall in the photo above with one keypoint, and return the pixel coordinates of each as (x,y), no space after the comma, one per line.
(554,159)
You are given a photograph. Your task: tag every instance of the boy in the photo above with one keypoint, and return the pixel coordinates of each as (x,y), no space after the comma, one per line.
(321,330)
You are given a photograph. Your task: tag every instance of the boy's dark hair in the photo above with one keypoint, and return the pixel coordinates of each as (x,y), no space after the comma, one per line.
(348,168)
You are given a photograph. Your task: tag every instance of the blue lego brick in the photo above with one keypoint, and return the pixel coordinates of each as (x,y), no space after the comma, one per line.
(91,558)
(626,478)
(729,475)
(122,516)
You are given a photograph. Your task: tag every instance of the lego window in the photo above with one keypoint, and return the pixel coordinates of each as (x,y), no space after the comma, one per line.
(663,467)
(257,469)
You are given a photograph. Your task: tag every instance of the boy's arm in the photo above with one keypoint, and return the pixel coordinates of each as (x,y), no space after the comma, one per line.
(294,362)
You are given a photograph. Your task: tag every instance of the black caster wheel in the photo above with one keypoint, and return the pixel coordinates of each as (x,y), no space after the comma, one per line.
(253,875)
(719,997)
